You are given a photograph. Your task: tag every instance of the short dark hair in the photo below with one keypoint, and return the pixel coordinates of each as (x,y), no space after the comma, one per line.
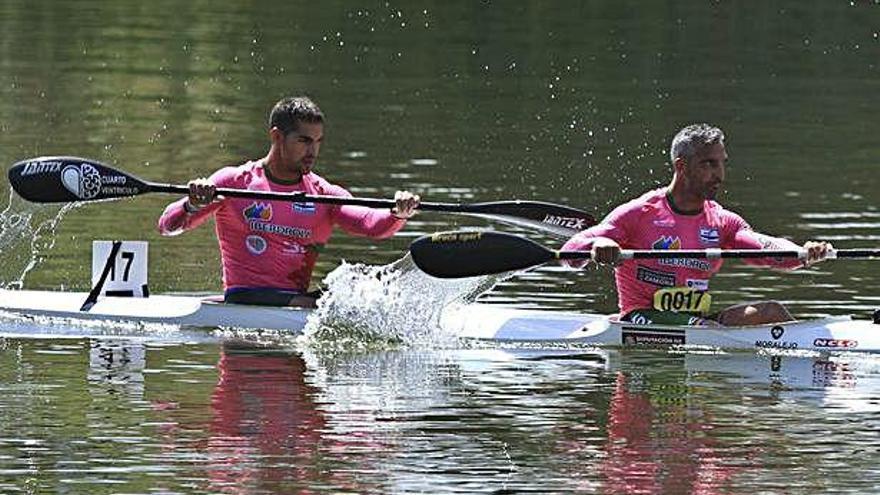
(693,137)
(287,114)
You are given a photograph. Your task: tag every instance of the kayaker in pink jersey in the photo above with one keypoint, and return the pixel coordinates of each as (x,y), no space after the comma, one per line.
(269,248)
(684,215)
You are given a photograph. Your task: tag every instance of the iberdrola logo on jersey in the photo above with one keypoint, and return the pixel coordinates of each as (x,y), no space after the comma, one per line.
(258,211)
(667,242)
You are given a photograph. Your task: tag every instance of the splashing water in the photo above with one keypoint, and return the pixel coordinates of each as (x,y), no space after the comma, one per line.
(368,307)
(22,224)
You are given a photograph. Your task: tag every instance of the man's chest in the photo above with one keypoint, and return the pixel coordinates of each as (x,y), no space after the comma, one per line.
(302,220)
(668,231)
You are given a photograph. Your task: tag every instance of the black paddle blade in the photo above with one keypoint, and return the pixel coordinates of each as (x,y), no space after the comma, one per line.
(470,254)
(547,217)
(63,179)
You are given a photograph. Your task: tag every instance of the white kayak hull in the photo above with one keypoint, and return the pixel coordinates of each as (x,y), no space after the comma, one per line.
(474,321)
(516,325)
(170,310)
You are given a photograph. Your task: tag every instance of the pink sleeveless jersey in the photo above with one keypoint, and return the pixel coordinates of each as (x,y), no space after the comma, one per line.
(274,244)
(649,222)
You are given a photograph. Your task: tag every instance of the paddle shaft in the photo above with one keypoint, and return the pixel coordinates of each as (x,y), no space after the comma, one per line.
(316,198)
(470,254)
(637,254)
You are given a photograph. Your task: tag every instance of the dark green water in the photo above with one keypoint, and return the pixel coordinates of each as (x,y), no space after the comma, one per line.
(568,102)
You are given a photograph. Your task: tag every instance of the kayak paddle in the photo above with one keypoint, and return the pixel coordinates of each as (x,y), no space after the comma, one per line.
(64,179)
(474,253)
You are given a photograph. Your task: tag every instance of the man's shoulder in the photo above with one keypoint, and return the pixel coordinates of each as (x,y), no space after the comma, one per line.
(652,197)
(235,174)
(718,209)
(636,210)
(323,186)
(647,201)
(726,217)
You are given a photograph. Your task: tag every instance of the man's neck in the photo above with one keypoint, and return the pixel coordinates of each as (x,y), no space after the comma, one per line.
(276,174)
(681,202)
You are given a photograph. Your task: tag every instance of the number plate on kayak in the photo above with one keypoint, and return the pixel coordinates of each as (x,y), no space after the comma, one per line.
(683,300)
(127,276)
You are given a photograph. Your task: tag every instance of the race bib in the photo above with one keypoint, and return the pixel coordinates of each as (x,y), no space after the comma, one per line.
(683,300)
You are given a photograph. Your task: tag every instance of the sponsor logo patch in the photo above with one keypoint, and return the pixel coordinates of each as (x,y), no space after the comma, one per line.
(258,211)
(664,224)
(84,181)
(285,230)
(567,222)
(836,343)
(777,332)
(442,237)
(709,235)
(775,344)
(653,277)
(701,265)
(256,244)
(654,337)
(698,284)
(40,167)
(667,242)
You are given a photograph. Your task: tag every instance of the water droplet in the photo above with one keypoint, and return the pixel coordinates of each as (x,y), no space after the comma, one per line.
(423,161)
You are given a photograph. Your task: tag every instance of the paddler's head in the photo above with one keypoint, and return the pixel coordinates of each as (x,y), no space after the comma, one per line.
(296,129)
(698,161)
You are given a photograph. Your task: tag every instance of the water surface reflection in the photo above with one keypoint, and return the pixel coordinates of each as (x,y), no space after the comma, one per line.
(236,417)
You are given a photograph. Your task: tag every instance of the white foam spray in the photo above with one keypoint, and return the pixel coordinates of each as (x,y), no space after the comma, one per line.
(393,305)
(26,232)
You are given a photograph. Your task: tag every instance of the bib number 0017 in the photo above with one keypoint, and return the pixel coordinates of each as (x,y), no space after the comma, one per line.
(682,300)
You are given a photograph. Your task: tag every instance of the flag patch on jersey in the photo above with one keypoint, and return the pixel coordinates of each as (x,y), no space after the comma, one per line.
(667,242)
(307,208)
(709,235)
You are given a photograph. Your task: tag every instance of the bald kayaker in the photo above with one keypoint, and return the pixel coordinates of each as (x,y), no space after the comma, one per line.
(269,248)
(685,215)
